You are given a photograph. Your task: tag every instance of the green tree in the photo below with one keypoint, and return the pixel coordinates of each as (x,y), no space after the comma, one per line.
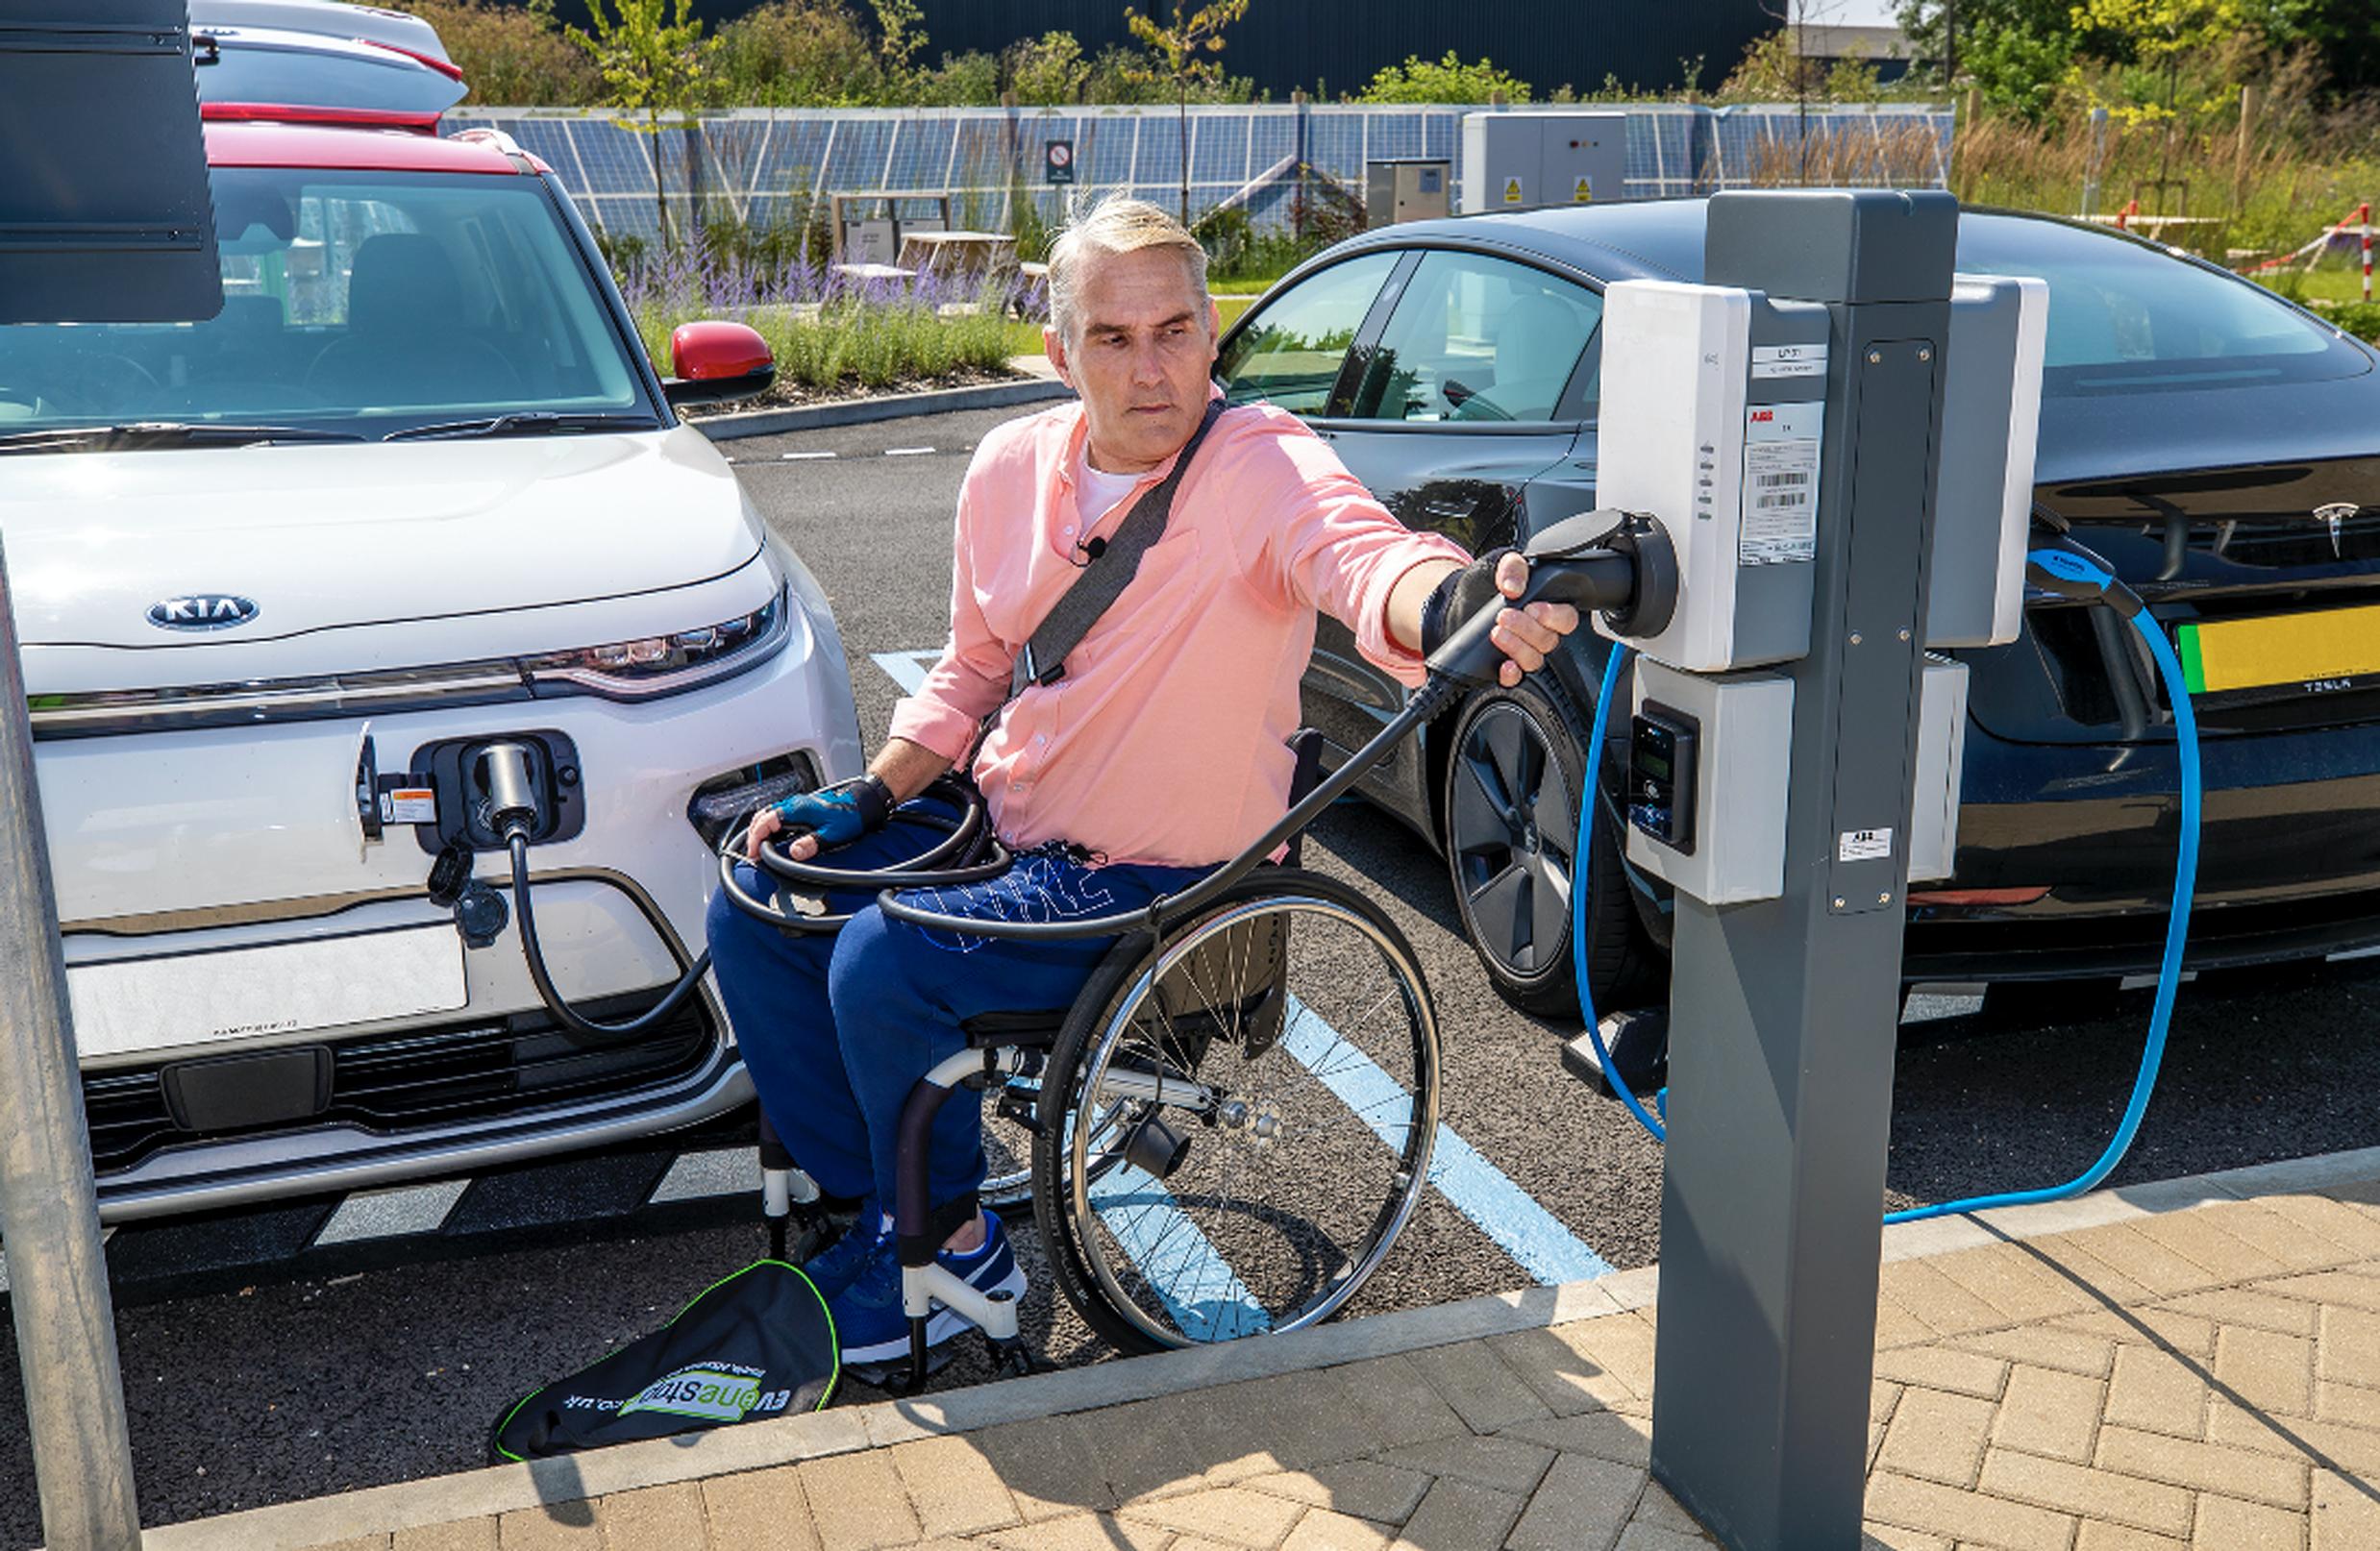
(1180,56)
(959,81)
(2157,34)
(515,56)
(793,54)
(1046,70)
(652,61)
(1446,80)
(900,35)
(2017,53)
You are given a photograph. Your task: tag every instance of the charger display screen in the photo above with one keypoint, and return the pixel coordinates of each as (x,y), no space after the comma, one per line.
(1661,749)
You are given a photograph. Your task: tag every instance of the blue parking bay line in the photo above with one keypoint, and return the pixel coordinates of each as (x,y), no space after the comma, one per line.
(1171,1251)
(1480,1191)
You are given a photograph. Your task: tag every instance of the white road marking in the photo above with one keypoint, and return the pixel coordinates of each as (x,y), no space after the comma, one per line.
(907,451)
(698,1176)
(907,668)
(389,1212)
(790,456)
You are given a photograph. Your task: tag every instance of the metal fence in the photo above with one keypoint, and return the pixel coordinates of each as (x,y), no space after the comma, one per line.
(765,166)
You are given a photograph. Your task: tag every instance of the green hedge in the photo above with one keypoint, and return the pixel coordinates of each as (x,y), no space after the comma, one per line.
(2359,318)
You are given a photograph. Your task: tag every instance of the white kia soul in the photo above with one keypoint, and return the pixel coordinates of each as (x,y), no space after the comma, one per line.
(281,575)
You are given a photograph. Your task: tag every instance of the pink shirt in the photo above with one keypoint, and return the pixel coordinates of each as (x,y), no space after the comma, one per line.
(1166,740)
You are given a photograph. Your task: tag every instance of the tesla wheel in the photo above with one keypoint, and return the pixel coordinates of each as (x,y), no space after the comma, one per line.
(1513,778)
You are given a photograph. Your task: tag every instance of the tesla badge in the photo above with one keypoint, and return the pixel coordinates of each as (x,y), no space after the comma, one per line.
(202,611)
(2335,517)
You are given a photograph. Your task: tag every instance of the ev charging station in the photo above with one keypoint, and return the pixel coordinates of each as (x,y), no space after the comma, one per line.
(1839,432)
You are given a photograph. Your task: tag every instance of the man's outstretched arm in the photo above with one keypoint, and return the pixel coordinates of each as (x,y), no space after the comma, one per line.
(1524,637)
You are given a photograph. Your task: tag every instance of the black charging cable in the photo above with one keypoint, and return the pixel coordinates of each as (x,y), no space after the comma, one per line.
(571,1019)
(512,813)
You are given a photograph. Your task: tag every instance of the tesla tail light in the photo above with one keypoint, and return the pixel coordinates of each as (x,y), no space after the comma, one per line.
(666,664)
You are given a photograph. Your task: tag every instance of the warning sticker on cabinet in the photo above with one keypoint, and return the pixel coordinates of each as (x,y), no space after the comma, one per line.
(1780,483)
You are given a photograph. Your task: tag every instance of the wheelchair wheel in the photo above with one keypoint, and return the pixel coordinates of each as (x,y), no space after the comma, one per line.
(1236,1122)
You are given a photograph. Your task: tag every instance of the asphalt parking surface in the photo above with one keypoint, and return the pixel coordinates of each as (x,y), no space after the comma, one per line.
(293,1386)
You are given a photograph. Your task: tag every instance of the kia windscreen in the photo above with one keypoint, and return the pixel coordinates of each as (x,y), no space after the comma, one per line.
(354,305)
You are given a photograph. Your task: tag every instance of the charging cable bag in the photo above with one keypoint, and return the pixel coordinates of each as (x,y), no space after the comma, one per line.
(760,1344)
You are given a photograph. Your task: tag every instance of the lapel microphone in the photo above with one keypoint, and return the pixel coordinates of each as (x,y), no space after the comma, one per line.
(1094,547)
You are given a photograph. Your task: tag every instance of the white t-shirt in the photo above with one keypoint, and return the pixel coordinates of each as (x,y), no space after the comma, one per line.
(1096,492)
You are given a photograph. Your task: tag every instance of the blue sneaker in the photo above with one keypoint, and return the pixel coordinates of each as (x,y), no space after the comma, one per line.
(868,1320)
(838,1266)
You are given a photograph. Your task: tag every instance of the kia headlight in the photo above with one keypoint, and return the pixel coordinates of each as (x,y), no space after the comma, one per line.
(667,664)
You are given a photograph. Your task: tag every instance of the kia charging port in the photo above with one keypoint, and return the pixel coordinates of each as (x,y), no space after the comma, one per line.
(460,773)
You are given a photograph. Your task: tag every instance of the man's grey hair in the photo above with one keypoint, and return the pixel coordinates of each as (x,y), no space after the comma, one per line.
(1116,225)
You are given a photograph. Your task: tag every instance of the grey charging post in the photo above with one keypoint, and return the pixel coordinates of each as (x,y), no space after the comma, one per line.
(1787,1000)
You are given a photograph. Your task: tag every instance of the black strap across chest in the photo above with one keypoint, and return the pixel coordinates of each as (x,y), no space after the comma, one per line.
(1102,581)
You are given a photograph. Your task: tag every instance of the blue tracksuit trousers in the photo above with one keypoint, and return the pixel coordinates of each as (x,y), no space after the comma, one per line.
(837,1029)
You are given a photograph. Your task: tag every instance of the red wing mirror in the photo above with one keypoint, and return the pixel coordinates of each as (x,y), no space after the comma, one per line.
(715,361)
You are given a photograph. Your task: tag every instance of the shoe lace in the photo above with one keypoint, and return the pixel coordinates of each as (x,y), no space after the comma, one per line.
(859,1240)
(879,1285)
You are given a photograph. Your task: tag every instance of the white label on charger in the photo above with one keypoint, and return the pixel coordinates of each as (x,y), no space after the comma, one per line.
(1780,483)
(1864,845)
(1789,360)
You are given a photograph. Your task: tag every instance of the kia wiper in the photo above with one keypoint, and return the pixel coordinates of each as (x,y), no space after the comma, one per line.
(138,434)
(523,423)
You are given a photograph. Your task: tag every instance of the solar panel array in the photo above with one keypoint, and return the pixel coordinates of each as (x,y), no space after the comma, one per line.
(765,166)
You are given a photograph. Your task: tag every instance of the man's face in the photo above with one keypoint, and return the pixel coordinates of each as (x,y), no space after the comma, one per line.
(1142,352)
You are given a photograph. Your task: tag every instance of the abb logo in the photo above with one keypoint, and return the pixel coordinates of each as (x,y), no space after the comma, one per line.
(1761,417)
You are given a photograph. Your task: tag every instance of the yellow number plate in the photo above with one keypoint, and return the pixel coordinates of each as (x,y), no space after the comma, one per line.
(2326,650)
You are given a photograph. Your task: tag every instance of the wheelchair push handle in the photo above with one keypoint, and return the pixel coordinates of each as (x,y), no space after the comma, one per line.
(1616,563)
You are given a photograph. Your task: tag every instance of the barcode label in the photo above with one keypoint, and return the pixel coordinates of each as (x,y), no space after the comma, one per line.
(1780,483)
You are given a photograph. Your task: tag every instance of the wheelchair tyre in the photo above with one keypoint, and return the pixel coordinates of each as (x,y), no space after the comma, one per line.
(1266,1082)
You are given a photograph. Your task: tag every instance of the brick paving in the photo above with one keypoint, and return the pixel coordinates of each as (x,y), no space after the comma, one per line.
(2202,1378)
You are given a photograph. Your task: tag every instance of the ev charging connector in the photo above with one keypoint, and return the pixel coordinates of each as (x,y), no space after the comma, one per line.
(513,806)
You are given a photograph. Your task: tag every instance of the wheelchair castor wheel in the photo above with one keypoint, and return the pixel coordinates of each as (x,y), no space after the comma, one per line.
(1012,1359)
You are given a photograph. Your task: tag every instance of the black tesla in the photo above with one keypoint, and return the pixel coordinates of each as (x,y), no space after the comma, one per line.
(2219,446)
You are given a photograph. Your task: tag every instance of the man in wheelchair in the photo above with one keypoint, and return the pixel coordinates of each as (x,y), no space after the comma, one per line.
(1146,751)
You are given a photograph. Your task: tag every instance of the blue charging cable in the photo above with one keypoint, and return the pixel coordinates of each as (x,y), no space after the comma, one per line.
(2066,574)
(1582,873)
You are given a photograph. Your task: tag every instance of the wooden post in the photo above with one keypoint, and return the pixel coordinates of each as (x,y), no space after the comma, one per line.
(1495,97)
(1960,133)
(2248,148)
(1297,210)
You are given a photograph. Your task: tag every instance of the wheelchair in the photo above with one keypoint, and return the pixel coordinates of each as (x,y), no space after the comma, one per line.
(1226,1132)
(1223,1135)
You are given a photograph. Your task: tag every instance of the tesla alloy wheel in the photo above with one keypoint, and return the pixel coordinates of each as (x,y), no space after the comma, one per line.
(1513,784)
